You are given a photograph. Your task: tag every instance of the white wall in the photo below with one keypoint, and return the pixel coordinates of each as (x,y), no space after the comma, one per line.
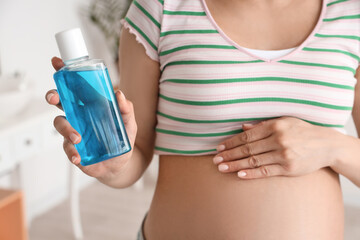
(27,36)
(27,42)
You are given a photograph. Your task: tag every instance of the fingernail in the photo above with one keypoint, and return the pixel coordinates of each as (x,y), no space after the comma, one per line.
(73,159)
(248,124)
(220,147)
(241,174)
(49,96)
(74,138)
(122,95)
(217,159)
(223,167)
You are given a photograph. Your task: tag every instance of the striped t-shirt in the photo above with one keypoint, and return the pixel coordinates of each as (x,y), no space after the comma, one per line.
(210,85)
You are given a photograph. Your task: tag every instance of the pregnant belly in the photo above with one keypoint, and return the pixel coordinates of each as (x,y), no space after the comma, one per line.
(193,200)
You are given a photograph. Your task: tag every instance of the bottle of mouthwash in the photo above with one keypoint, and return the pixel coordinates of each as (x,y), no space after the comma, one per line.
(88,100)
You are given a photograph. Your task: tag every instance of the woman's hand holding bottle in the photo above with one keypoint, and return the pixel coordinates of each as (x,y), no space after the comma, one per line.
(105,169)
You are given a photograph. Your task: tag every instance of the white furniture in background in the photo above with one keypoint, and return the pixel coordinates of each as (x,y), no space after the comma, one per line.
(22,136)
(32,159)
(15,92)
(22,140)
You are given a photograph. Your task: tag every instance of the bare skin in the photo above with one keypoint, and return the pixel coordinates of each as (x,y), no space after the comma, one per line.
(266,25)
(193,199)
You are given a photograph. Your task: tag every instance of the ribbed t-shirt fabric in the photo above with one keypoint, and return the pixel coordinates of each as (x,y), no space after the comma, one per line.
(210,85)
(268,54)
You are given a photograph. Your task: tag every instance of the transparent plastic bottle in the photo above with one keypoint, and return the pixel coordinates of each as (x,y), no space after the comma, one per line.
(89,102)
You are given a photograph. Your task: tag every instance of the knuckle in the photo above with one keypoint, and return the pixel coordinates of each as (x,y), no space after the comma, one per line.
(227,155)
(254,162)
(265,171)
(66,145)
(245,136)
(69,149)
(281,140)
(278,125)
(287,154)
(246,149)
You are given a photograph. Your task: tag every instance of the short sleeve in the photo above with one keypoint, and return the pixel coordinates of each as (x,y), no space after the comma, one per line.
(143,19)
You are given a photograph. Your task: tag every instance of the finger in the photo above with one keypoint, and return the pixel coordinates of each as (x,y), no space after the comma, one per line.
(52,97)
(75,157)
(254,161)
(256,133)
(71,152)
(247,126)
(126,107)
(246,150)
(66,130)
(262,172)
(57,63)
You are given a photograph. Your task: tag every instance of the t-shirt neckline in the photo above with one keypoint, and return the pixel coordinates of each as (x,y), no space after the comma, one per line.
(296,49)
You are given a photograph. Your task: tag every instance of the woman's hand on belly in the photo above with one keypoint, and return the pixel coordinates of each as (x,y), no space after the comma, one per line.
(285,146)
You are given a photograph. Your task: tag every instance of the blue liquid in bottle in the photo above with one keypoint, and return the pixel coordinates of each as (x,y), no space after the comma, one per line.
(91,108)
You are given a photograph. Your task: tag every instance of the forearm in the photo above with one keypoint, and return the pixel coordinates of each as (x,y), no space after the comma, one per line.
(347,160)
(130,172)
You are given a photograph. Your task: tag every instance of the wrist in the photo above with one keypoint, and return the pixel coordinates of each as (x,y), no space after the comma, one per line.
(113,175)
(343,146)
(339,144)
(128,169)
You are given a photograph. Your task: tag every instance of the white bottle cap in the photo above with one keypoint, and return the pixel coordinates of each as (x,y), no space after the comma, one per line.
(71,44)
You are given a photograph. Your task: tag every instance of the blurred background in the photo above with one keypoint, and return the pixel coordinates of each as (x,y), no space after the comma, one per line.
(42,196)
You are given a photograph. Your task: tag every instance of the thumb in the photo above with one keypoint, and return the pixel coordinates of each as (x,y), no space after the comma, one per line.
(126,107)
(128,115)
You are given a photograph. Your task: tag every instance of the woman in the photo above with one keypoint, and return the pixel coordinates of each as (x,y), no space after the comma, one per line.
(251,145)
